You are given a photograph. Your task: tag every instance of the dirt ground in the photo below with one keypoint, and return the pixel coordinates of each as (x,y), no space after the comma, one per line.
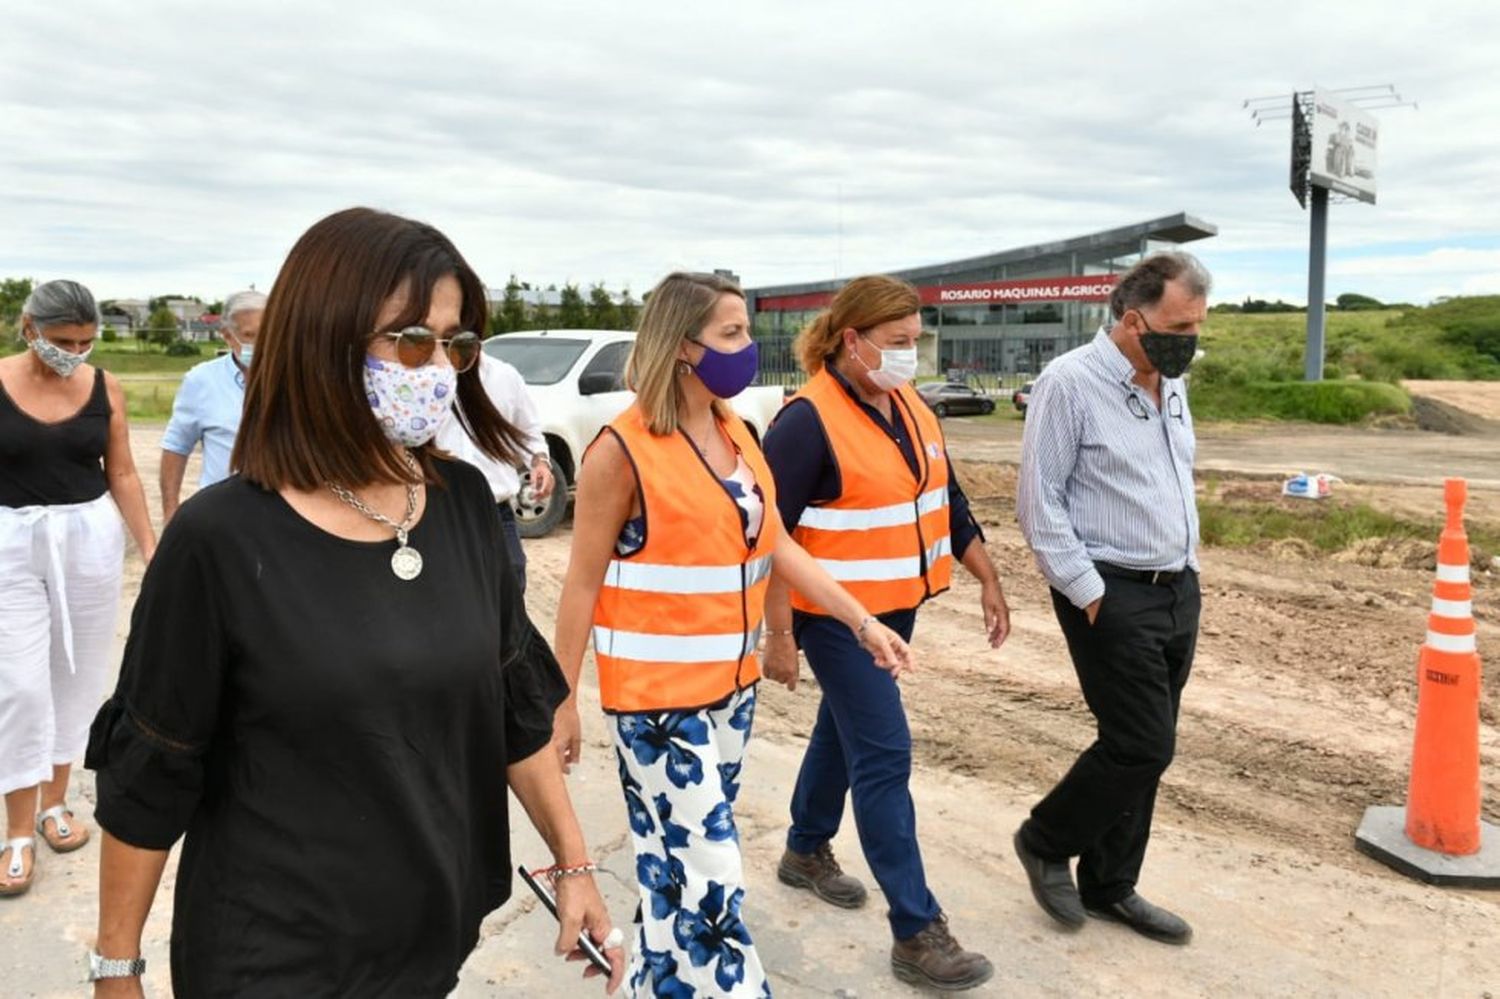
(1299,712)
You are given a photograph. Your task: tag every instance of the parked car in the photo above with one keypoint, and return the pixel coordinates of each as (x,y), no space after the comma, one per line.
(1021,398)
(577,378)
(955,399)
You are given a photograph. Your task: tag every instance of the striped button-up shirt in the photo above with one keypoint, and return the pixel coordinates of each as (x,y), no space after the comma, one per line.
(1106,476)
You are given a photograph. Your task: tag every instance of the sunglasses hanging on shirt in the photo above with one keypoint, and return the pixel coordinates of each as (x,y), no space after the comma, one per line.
(1141,411)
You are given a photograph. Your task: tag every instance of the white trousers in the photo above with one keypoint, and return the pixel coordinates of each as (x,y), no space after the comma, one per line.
(60,572)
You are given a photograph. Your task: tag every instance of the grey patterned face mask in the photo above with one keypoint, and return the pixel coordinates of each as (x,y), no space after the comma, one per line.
(62,361)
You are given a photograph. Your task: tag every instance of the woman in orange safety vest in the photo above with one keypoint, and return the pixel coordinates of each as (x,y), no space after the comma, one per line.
(864,484)
(676,533)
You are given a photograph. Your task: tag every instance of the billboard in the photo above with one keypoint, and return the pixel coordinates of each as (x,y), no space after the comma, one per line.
(1344,140)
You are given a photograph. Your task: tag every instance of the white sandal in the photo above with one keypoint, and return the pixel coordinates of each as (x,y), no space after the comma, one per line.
(16,867)
(57,814)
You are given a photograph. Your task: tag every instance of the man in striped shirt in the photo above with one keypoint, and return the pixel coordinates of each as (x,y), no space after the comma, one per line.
(1106,502)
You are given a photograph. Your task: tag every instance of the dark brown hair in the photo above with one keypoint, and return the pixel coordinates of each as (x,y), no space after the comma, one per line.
(862,303)
(307,420)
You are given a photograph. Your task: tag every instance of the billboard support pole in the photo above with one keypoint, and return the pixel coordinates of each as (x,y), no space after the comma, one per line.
(1317,256)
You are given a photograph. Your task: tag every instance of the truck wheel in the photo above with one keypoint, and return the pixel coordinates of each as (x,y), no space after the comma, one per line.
(534,518)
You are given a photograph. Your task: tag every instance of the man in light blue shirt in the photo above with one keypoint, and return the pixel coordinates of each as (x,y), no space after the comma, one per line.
(209,403)
(1106,502)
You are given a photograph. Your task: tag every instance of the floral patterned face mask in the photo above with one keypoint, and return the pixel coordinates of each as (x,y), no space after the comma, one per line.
(410,403)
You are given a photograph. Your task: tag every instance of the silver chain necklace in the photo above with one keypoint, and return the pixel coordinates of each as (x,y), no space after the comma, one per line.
(406,561)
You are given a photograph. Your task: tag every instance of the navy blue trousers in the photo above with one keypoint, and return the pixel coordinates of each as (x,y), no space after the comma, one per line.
(861,745)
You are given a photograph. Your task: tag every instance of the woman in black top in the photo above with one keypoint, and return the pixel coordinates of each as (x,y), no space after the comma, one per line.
(331,716)
(66,476)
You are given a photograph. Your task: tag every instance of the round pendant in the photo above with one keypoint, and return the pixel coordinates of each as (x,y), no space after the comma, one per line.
(406,562)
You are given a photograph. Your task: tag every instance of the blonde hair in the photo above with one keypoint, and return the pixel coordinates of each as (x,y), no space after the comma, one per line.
(676,310)
(862,303)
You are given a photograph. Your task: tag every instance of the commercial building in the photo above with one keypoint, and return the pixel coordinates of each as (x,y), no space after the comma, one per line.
(1007,313)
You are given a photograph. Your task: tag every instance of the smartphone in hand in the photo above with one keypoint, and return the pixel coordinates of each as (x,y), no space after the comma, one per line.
(585,943)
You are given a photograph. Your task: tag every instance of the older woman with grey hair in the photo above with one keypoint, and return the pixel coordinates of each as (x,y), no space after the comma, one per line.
(65,468)
(208,405)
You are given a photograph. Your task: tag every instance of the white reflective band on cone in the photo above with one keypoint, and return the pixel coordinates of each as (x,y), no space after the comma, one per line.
(1451,643)
(1461,609)
(1452,573)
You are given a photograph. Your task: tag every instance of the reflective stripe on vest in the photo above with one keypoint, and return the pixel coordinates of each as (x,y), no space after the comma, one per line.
(656,578)
(677,623)
(885,537)
(883,569)
(651,648)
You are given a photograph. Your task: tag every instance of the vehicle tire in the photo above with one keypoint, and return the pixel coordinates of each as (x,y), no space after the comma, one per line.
(537,520)
(989,407)
(941,410)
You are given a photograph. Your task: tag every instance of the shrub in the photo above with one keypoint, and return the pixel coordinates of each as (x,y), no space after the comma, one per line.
(183,348)
(1312,402)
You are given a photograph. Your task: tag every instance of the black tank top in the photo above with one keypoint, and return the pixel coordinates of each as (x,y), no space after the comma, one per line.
(51,464)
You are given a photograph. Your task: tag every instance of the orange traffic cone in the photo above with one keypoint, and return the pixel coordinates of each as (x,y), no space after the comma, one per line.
(1442,801)
(1443,840)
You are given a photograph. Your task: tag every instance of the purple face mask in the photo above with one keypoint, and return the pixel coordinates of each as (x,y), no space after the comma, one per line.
(727,375)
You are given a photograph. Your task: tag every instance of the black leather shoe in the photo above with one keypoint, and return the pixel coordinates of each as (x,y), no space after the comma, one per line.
(1052,886)
(1146,919)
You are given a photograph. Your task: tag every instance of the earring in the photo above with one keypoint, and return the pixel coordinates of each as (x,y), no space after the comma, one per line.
(684,369)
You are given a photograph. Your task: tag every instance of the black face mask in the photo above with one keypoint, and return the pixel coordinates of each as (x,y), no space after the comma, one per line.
(1169,353)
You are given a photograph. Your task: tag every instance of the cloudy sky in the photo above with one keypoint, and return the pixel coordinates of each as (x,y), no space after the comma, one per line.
(158,147)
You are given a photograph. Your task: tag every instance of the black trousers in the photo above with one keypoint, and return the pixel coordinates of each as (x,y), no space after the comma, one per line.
(1132,664)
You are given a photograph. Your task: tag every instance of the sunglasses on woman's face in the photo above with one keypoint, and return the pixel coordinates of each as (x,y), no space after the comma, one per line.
(415,345)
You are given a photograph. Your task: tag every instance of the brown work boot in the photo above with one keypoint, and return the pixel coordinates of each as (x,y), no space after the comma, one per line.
(933,958)
(821,874)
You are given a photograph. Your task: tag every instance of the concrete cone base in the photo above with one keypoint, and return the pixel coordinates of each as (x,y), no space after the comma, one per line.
(1382,835)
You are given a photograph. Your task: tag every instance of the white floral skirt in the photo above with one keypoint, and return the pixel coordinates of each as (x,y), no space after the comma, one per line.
(680,771)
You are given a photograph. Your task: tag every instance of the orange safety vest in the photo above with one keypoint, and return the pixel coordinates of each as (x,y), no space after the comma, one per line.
(678,622)
(885,538)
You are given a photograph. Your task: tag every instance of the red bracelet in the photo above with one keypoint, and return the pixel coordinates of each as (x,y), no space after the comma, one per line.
(558,871)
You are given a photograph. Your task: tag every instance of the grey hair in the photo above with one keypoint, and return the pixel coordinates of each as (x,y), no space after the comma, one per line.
(60,303)
(243,301)
(1143,285)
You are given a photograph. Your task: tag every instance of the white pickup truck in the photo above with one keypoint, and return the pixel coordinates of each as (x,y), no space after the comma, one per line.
(577,378)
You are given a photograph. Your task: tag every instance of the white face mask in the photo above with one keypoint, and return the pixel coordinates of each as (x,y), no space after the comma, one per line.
(897,367)
(62,361)
(410,403)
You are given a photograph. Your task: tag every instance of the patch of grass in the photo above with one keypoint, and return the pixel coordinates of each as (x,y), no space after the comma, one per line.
(1329,525)
(149,399)
(128,361)
(1456,339)
(1313,402)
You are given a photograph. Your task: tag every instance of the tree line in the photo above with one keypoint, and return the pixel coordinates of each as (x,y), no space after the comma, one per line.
(574,308)
(599,310)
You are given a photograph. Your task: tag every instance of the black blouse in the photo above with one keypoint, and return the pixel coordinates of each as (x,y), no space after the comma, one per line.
(331,739)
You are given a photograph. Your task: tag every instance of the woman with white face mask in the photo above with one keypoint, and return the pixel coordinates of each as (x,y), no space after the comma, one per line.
(66,476)
(331,678)
(863,483)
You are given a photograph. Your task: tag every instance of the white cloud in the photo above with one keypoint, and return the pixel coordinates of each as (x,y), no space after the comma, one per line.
(171,146)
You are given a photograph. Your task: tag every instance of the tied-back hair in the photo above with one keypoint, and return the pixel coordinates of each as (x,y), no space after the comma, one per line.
(1144,284)
(677,309)
(862,303)
(60,303)
(307,420)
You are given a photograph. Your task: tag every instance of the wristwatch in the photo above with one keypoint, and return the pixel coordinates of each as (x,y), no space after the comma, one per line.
(114,967)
